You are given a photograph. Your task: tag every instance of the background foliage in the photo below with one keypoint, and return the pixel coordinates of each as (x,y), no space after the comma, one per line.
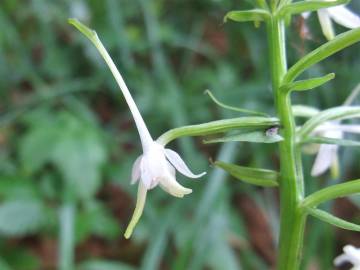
(66,132)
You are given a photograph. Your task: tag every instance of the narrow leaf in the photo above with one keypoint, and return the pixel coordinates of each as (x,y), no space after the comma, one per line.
(255,15)
(308,84)
(256,137)
(304,111)
(325,140)
(255,176)
(336,113)
(220,126)
(331,47)
(333,220)
(309,5)
(332,192)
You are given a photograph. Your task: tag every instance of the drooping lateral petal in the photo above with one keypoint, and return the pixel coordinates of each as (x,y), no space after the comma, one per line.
(179,164)
(344,16)
(171,186)
(136,170)
(140,203)
(324,159)
(326,24)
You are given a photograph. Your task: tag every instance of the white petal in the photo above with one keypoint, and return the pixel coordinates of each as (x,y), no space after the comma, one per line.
(341,259)
(136,170)
(179,164)
(170,185)
(324,159)
(306,15)
(344,16)
(140,203)
(353,254)
(171,169)
(326,24)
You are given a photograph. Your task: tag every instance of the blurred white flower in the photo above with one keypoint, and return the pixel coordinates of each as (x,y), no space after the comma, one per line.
(339,14)
(328,153)
(351,254)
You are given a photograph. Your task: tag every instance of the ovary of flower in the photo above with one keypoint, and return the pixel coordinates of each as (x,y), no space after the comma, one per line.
(156,165)
(328,153)
(351,254)
(339,14)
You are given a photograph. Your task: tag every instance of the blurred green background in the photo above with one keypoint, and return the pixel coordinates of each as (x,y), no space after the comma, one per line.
(68,141)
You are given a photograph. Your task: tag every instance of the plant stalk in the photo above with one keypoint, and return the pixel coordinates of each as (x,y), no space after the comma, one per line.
(66,236)
(292,220)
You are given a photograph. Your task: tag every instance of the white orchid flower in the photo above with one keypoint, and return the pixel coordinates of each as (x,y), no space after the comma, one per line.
(327,156)
(351,254)
(339,14)
(156,166)
(328,153)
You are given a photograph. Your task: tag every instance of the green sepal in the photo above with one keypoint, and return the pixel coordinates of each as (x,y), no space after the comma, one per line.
(325,140)
(255,136)
(310,5)
(333,220)
(336,113)
(329,48)
(307,84)
(254,15)
(220,126)
(254,176)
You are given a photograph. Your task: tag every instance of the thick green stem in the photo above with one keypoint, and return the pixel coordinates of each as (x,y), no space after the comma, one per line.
(292,221)
(66,236)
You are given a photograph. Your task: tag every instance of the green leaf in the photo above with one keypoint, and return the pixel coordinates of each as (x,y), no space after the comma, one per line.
(332,192)
(220,126)
(255,136)
(104,265)
(331,47)
(304,111)
(308,84)
(325,140)
(262,4)
(336,113)
(309,5)
(333,220)
(19,218)
(74,145)
(255,176)
(4,265)
(255,15)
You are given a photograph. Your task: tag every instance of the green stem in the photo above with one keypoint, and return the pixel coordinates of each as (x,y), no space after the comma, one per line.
(66,237)
(292,220)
